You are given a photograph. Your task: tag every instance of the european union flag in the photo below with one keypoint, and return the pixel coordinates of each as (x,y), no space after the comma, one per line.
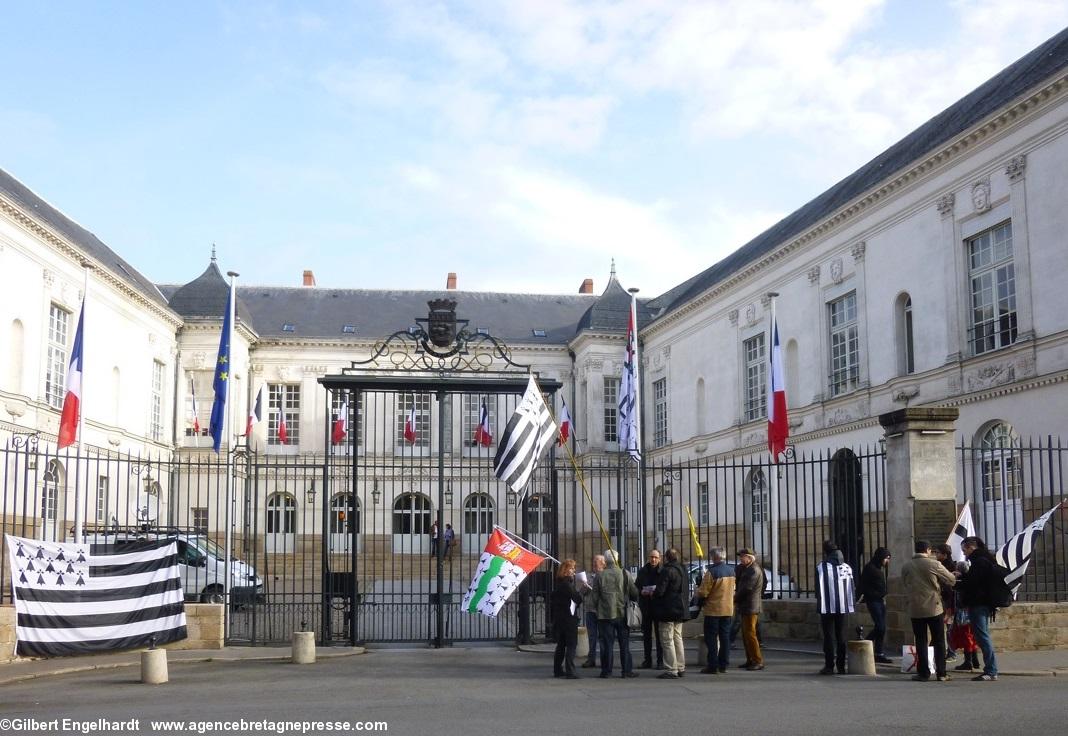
(222,378)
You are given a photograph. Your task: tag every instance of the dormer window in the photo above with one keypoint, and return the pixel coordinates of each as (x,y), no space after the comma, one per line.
(483,330)
(289,327)
(538,333)
(349,329)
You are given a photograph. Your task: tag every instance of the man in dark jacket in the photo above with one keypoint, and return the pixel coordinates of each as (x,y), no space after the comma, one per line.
(670,608)
(748,593)
(646,581)
(975,587)
(873,591)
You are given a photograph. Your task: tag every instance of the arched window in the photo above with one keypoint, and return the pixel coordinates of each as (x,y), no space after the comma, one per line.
(1000,462)
(343,517)
(411,514)
(53,479)
(281,514)
(758,497)
(845,480)
(906,355)
(539,514)
(478,514)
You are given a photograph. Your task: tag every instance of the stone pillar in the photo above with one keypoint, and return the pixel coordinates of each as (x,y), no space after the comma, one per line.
(921,482)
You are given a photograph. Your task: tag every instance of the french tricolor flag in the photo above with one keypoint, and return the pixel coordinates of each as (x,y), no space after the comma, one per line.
(565,424)
(778,427)
(72,402)
(483,436)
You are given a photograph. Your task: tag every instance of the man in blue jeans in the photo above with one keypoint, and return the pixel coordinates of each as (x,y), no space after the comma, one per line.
(976,587)
(717,593)
(589,611)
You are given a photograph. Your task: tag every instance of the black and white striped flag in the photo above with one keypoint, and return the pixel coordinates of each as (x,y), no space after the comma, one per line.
(1015,554)
(82,598)
(530,431)
(964,527)
(835,587)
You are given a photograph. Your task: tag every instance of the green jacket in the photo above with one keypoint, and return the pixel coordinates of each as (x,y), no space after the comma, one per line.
(612,589)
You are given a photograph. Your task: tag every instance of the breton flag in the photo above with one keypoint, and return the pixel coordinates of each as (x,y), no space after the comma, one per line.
(483,436)
(256,415)
(565,423)
(778,427)
(629,411)
(283,435)
(836,592)
(68,420)
(501,568)
(964,527)
(1015,554)
(196,417)
(91,598)
(222,377)
(341,423)
(409,427)
(523,442)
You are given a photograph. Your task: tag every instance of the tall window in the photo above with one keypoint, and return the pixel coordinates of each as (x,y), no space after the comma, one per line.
(758,497)
(421,402)
(539,514)
(993,287)
(284,398)
(756,378)
(611,409)
(1001,463)
(200,519)
(102,499)
(478,514)
(660,412)
(156,402)
(703,504)
(472,407)
(411,514)
(845,350)
(355,420)
(908,353)
(615,522)
(56,366)
(281,514)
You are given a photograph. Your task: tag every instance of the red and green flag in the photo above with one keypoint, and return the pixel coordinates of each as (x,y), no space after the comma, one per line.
(503,566)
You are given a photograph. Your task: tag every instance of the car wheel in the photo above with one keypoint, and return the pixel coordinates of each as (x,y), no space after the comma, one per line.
(212,594)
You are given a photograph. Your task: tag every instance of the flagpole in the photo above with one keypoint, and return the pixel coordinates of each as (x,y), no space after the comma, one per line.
(86,266)
(231,311)
(638,424)
(776,593)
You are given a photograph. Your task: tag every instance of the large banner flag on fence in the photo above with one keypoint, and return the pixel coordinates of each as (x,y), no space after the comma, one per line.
(524,440)
(72,402)
(629,402)
(1015,554)
(503,566)
(82,598)
(222,376)
(964,527)
(778,424)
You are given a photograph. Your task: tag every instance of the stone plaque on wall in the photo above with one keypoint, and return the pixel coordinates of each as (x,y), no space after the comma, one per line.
(933,520)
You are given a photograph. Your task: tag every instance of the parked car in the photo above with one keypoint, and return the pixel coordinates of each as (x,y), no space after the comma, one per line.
(785,587)
(201,564)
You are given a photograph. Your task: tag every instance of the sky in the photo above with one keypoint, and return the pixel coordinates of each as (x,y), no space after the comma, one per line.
(524,145)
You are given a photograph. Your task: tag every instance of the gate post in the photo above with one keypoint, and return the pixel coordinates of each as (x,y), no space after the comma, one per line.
(921,495)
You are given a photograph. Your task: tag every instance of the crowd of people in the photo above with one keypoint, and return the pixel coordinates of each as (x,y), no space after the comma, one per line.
(950,603)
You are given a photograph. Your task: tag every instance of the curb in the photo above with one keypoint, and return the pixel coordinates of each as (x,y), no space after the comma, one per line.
(23,677)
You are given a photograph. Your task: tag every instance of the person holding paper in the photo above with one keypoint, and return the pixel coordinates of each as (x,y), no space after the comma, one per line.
(646,582)
(563,604)
(587,578)
(921,577)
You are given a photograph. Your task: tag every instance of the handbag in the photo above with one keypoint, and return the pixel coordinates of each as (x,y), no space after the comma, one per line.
(634,615)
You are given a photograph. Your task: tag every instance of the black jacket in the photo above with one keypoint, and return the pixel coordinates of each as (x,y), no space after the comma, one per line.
(670,601)
(560,600)
(974,585)
(872,583)
(648,575)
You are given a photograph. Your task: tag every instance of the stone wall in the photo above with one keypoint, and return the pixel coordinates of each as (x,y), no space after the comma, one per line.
(204,623)
(1022,627)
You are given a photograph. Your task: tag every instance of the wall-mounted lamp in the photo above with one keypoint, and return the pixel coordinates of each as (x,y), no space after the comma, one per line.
(309,495)
(376,494)
(448,494)
(512,497)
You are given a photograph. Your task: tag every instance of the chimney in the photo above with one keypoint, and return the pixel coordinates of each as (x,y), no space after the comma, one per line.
(450,282)
(309,278)
(587,286)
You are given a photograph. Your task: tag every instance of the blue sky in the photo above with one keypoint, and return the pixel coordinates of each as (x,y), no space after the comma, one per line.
(522,144)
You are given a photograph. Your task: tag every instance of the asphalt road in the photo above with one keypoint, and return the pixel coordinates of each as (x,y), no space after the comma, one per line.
(496,690)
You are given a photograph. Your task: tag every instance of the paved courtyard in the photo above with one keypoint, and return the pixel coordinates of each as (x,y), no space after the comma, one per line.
(495,690)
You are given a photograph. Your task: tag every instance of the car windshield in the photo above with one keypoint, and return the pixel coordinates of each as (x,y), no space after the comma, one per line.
(208,547)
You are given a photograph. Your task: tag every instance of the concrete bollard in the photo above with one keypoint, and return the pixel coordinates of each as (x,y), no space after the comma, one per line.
(154,666)
(861,657)
(303,647)
(702,651)
(582,646)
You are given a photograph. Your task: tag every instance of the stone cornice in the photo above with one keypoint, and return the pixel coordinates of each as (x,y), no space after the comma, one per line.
(945,155)
(69,250)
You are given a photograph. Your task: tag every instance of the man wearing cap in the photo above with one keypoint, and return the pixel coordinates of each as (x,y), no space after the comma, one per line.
(748,592)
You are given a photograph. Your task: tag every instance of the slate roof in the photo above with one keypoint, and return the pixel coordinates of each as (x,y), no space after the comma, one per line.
(1013,82)
(611,311)
(29,202)
(322,313)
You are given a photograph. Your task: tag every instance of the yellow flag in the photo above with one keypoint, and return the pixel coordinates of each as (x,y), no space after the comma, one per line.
(693,535)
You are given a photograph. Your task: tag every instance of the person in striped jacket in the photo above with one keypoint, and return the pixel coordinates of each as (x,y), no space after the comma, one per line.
(835,580)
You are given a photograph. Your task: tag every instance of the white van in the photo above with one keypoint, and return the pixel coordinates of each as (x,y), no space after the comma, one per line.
(201,563)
